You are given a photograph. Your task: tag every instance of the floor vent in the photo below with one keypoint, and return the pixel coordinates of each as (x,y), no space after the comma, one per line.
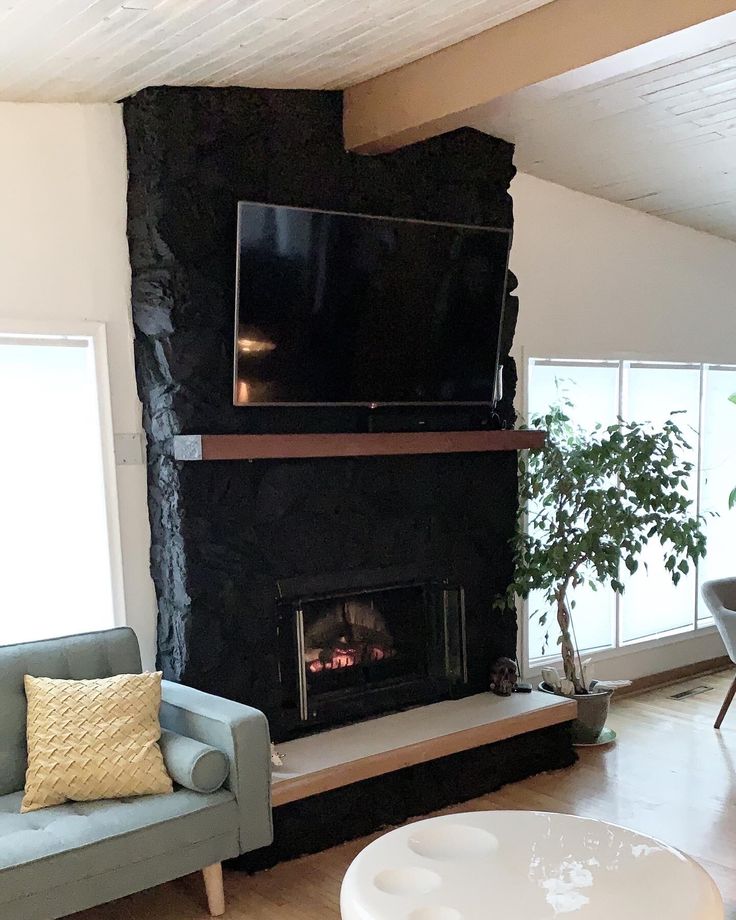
(693,691)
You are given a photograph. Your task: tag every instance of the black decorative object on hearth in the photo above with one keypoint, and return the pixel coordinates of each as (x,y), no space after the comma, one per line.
(504,675)
(225,535)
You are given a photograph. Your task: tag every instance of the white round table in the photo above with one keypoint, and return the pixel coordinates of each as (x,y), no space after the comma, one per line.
(524,865)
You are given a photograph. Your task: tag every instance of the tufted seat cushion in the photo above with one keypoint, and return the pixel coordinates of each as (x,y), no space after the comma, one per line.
(44,849)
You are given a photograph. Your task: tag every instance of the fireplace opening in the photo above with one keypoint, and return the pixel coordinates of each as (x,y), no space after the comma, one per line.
(348,654)
(363,638)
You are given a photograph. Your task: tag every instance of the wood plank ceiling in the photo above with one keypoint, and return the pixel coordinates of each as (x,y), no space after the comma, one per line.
(104,50)
(661,138)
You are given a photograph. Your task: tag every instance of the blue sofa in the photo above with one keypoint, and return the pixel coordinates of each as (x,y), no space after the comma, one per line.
(59,860)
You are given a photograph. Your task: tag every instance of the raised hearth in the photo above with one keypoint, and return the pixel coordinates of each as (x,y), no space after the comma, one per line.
(352,781)
(354,753)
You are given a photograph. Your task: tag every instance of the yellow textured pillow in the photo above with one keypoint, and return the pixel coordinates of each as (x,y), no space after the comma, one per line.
(93,739)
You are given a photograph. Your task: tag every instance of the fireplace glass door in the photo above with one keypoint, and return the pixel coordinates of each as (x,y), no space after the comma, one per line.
(351,654)
(358,640)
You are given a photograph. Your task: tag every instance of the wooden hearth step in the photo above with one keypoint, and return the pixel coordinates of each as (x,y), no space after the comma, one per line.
(353,753)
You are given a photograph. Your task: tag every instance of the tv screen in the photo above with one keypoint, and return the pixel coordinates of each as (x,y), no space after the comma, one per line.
(343,308)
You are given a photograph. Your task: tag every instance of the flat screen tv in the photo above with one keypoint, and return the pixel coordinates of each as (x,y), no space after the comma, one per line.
(345,308)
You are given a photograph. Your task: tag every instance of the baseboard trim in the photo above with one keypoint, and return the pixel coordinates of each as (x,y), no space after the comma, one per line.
(673,675)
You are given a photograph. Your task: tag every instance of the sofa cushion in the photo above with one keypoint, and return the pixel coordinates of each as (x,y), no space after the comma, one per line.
(43,849)
(93,739)
(99,654)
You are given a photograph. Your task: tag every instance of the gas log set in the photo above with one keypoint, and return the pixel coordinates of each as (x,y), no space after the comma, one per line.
(350,633)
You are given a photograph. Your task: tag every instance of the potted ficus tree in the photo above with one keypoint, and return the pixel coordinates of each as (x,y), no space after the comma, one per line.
(592,502)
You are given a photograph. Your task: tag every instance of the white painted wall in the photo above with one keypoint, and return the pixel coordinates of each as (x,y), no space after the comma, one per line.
(64,256)
(600,280)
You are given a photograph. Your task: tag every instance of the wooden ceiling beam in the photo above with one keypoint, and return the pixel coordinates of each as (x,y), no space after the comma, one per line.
(442,91)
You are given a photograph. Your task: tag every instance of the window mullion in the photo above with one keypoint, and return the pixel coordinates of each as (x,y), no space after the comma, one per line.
(698,478)
(623,367)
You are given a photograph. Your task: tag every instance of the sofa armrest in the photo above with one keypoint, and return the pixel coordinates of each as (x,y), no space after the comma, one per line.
(242,733)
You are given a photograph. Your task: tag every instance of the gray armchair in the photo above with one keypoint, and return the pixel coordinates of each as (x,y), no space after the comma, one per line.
(63,859)
(720,596)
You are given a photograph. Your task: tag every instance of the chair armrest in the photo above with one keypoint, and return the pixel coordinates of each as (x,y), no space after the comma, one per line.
(725,620)
(242,733)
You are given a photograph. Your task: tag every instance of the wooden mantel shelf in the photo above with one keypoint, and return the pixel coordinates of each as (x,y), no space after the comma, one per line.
(283,446)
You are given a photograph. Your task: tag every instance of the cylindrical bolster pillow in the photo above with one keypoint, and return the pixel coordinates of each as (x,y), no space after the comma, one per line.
(192,764)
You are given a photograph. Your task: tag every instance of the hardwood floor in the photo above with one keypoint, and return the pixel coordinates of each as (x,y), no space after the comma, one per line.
(670,775)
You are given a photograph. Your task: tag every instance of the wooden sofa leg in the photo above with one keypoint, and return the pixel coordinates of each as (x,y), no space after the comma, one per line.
(726,704)
(214,888)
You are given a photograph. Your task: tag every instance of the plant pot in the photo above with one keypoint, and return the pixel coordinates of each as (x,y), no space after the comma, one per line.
(592,712)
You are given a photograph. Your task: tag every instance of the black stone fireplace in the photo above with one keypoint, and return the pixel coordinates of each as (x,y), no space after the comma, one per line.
(361,643)
(239,549)
(238,546)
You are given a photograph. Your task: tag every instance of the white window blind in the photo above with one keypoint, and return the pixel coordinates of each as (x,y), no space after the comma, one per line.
(55,572)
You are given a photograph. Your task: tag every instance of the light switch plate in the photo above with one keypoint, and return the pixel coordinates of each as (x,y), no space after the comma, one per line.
(129,450)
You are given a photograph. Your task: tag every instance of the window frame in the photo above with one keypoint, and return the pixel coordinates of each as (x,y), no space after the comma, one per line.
(96,333)
(700,627)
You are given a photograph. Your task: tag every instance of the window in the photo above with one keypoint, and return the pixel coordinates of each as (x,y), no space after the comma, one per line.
(55,558)
(651,605)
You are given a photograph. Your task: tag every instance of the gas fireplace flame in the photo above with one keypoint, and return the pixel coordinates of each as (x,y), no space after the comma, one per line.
(347,634)
(338,658)
(254,346)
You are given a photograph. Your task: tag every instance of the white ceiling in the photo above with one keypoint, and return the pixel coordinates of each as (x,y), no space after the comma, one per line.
(103,50)
(660,137)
